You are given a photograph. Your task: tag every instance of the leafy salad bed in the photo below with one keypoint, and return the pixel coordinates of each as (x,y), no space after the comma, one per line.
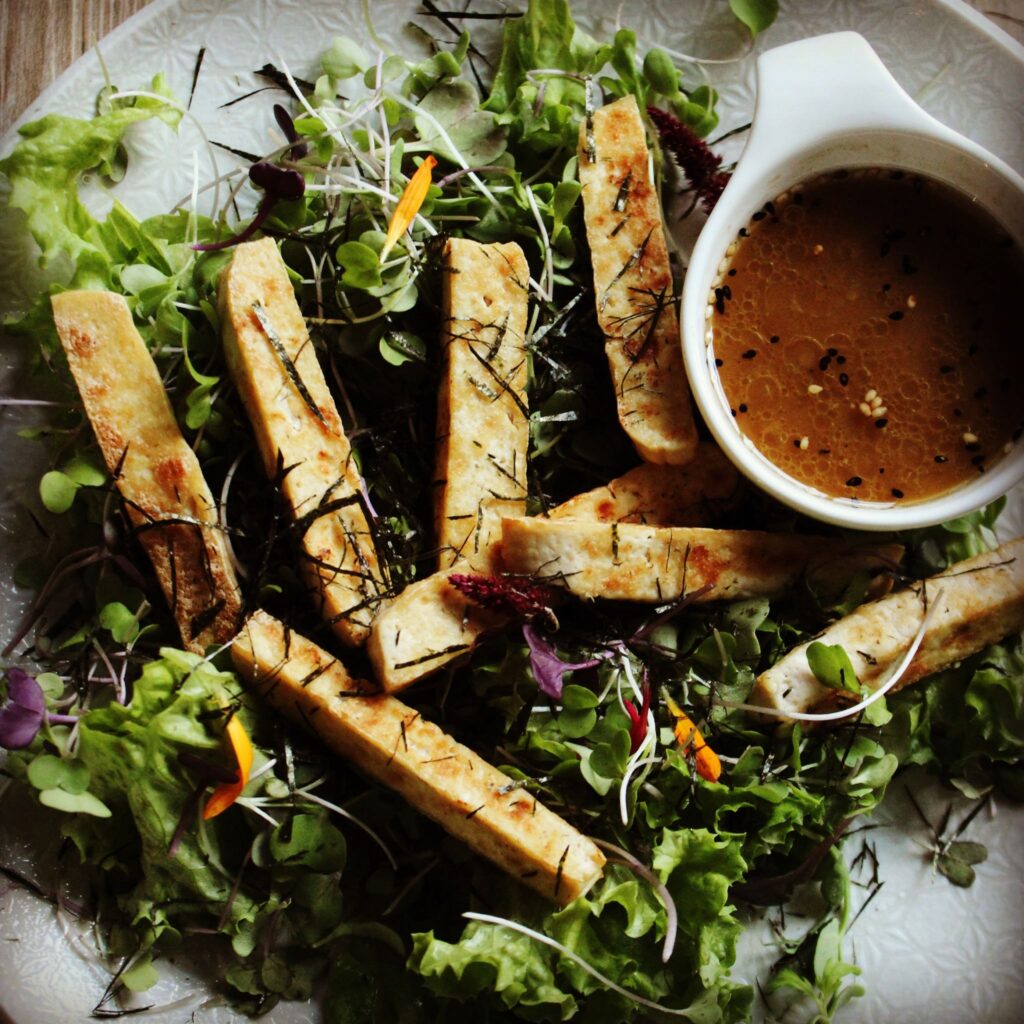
(316,878)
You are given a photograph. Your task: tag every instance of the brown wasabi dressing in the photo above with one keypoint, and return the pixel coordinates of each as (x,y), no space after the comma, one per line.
(868,336)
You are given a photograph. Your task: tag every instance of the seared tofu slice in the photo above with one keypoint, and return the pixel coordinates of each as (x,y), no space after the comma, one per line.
(482,416)
(300,436)
(441,778)
(633,285)
(423,629)
(649,564)
(660,495)
(979,602)
(166,497)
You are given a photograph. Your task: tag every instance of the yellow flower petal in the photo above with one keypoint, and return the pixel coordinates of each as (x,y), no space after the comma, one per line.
(228,792)
(409,205)
(689,738)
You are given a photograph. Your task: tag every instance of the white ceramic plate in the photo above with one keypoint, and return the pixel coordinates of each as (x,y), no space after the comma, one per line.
(930,952)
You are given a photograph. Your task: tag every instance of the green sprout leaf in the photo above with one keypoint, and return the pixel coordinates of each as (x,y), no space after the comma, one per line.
(361,265)
(832,667)
(757,15)
(120,621)
(57,491)
(74,803)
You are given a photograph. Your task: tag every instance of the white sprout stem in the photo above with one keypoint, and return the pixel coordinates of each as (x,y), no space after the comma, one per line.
(197,124)
(263,769)
(636,762)
(443,135)
(671,914)
(306,795)
(548,285)
(578,960)
(876,695)
(251,804)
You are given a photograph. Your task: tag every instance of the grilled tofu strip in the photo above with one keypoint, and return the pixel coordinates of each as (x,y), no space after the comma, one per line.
(423,629)
(166,497)
(660,495)
(633,285)
(482,439)
(300,436)
(393,744)
(430,623)
(980,601)
(482,418)
(629,562)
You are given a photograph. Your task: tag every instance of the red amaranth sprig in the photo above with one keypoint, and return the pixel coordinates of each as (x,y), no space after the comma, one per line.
(695,158)
(511,596)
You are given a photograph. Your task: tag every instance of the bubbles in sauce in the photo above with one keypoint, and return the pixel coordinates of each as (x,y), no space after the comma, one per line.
(866,336)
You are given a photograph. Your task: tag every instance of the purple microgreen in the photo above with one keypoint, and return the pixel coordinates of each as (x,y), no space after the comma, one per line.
(187,818)
(278,183)
(548,668)
(287,125)
(206,768)
(22,716)
(516,597)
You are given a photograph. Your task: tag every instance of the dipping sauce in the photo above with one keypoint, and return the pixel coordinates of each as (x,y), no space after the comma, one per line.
(868,336)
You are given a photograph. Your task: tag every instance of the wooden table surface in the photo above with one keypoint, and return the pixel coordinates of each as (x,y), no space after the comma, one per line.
(40,38)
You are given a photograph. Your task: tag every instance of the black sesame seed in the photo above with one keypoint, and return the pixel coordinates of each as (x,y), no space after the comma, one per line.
(760,215)
(981,393)
(727,291)
(720,300)
(881,469)
(974,446)
(733,411)
(719,362)
(844,379)
(833,351)
(744,232)
(774,339)
(896,314)
(886,287)
(743,406)
(796,442)
(977,460)
(941,458)
(840,360)
(770,206)
(823,362)
(732,273)
(958,412)
(881,422)
(750,353)
(896,492)
(945,368)
(854,481)
(824,451)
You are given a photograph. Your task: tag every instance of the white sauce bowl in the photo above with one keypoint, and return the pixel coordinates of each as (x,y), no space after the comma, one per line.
(827,104)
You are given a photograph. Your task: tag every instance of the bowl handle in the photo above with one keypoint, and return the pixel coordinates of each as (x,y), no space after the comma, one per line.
(794,108)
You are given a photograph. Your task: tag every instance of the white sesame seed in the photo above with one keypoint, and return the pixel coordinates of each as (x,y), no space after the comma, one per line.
(879,412)
(865,408)
(709,312)
(911,301)
(814,389)
(805,443)
(970,438)
(875,402)
(870,395)
(818,250)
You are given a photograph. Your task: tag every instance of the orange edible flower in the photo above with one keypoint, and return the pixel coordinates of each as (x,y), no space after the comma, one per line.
(228,792)
(690,739)
(409,205)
